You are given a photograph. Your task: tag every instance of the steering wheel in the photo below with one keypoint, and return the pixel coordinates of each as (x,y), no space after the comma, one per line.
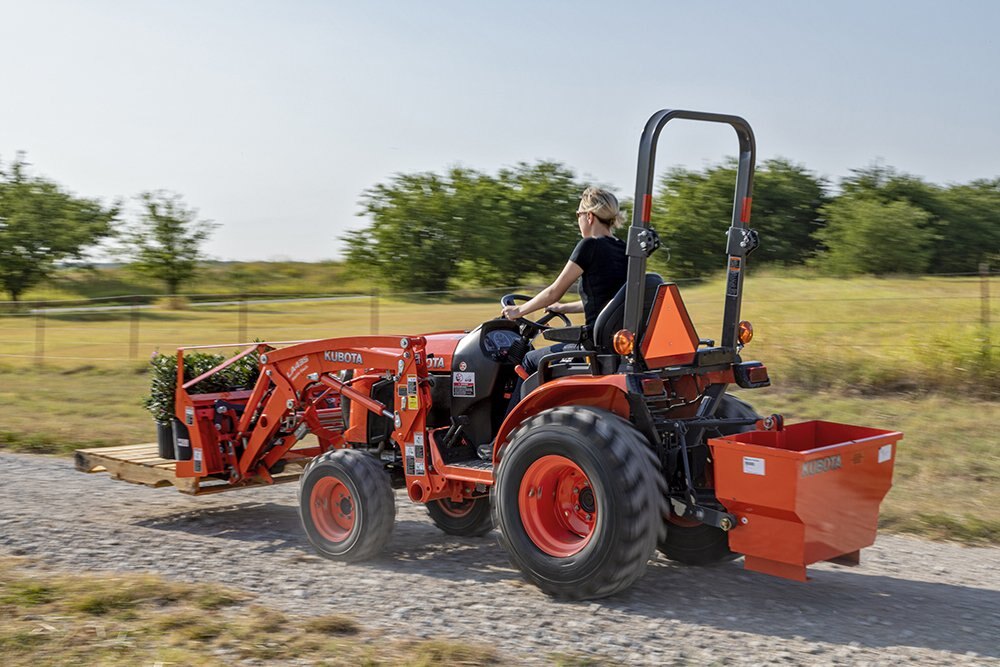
(539,325)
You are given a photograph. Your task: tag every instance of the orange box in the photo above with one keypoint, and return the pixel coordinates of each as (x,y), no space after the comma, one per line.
(804,494)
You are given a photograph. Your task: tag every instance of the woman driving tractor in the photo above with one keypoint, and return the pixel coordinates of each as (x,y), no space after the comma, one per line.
(598,261)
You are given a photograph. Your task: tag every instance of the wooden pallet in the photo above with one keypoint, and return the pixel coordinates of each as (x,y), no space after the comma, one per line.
(141,464)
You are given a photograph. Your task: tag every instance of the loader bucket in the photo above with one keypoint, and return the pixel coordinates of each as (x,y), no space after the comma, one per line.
(807,493)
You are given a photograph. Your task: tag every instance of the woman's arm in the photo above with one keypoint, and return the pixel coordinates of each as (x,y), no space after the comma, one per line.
(548,296)
(571,307)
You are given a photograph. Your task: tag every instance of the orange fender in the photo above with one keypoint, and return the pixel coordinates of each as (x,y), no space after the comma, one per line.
(607,392)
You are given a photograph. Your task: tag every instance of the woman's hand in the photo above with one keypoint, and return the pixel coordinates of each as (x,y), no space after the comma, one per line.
(511,312)
(557,308)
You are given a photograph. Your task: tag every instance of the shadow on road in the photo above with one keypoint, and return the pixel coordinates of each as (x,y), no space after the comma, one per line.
(838,606)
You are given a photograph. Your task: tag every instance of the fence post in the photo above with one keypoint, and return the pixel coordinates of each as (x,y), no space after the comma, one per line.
(984,300)
(241,335)
(40,337)
(374,309)
(133,332)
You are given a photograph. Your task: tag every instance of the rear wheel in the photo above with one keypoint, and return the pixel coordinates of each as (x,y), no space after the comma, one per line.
(346,505)
(694,543)
(469,518)
(578,501)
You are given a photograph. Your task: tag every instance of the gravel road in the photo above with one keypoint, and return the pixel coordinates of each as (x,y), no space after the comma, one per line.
(911,601)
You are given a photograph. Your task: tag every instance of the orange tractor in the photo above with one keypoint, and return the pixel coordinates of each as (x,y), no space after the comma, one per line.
(627,445)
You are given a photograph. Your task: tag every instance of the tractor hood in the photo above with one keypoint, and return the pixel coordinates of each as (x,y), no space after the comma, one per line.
(440,349)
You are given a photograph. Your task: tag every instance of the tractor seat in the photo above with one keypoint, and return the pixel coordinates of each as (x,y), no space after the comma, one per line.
(609,321)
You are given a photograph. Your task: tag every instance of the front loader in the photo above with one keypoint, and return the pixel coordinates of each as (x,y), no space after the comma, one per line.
(627,445)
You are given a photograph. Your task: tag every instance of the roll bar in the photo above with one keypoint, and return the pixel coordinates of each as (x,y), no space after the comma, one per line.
(641,242)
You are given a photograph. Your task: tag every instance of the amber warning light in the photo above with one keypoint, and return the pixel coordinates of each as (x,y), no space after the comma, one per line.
(624,342)
(746,332)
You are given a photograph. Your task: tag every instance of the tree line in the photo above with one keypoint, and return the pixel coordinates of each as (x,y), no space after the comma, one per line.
(44,226)
(427,231)
(430,232)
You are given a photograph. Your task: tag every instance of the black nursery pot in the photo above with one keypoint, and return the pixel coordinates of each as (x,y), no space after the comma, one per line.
(182,441)
(165,440)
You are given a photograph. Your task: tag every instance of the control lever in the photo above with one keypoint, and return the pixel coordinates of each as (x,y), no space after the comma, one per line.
(455,430)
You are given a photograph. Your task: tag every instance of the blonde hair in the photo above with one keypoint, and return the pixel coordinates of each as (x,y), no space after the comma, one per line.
(603,205)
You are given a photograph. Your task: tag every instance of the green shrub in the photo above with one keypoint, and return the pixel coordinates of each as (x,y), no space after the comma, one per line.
(241,374)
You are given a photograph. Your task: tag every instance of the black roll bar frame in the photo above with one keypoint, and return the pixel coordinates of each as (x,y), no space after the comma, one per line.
(739,243)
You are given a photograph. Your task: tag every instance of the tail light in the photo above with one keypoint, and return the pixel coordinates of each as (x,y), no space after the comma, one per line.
(652,386)
(751,375)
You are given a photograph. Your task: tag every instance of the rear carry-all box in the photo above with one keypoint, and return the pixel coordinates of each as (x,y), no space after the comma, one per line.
(804,493)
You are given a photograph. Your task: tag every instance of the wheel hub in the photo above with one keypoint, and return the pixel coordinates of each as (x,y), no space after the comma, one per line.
(332,509)
(587,499)
(557,505)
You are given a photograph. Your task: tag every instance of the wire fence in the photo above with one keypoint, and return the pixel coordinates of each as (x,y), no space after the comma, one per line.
(90,331)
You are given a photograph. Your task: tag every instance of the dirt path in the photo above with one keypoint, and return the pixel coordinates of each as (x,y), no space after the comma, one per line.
(911,602)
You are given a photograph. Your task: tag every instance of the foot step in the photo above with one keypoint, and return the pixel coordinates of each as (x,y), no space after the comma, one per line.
(472,464)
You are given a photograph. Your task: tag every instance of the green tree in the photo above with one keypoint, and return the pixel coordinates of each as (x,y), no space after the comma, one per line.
(693,211)
(42,225)
(166,242)
(534,229)
(864,235)
(787,212)
(427,228)
(969,231)
(964,219)
(415,237)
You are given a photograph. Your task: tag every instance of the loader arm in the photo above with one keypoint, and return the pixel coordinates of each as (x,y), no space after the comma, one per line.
(295,381)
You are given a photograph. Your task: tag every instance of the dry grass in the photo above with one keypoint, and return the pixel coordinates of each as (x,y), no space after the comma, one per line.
(49,618)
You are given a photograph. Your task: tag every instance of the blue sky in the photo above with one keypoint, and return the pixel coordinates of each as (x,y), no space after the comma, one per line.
(273,117)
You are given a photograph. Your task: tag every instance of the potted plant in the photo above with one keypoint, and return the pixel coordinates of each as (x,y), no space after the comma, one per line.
(160,402)
(172,440)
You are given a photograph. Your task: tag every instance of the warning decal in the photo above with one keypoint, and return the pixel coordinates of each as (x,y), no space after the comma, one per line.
(463,384)
(884,453)
(753,465)
(408,450)
(733,281)
(415,463)
(412,400)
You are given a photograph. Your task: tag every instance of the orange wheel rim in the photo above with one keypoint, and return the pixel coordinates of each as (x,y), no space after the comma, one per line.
(456,510)
(557,505)
(333,510)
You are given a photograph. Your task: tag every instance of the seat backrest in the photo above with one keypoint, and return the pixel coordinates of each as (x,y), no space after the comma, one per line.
(611,319)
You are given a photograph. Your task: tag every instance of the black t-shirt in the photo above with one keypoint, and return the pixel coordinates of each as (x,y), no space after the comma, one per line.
(604,270)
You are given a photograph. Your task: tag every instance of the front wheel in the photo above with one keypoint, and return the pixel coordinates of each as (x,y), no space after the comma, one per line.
(346,505)
(578,501)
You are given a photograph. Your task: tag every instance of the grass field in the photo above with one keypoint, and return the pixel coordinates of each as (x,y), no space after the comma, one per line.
(907,354)
(866,334)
